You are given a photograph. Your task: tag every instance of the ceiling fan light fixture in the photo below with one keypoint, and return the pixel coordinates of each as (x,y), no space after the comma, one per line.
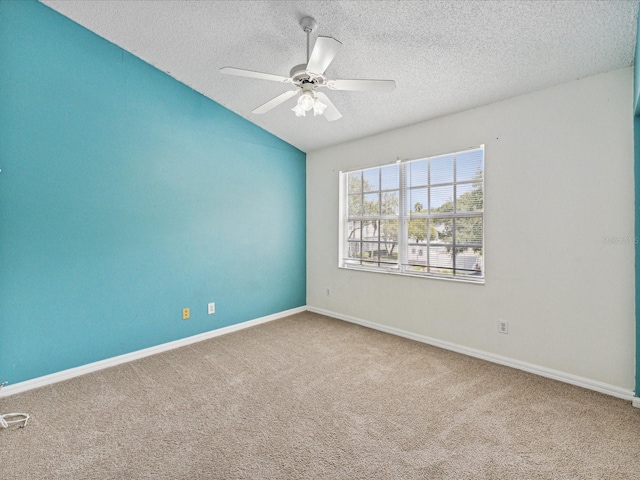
(318,107)
(299,110)
(306,101)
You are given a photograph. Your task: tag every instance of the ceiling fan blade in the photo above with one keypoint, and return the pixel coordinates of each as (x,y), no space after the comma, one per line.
(323,52)
(274,102)
(383,86)
(251,74)
(331,112)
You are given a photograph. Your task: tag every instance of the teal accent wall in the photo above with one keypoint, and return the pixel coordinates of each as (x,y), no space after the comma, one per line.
(636,147)
(636,73)
(125,196)
(636,173)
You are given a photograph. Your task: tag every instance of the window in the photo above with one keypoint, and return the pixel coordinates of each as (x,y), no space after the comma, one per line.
(420,217)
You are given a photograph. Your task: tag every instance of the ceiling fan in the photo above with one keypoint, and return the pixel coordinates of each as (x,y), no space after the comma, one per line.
(310,76)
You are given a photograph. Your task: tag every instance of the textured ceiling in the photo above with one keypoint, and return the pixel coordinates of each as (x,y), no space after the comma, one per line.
(445,56)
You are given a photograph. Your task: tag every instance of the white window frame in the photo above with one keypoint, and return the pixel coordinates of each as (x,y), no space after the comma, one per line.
(404,243)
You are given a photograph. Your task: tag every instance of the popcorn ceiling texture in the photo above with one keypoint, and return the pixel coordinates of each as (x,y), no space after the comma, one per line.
(445,56)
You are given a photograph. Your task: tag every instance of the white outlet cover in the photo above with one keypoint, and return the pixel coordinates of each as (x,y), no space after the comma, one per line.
(211,308)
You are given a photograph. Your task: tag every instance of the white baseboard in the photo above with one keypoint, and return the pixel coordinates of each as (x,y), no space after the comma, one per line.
(527,367)
(509,362)
(110,362)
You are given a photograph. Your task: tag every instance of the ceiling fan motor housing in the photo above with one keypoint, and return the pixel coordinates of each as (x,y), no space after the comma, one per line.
(300,76)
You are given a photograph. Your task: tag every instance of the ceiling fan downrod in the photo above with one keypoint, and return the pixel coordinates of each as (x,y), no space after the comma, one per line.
(308,24)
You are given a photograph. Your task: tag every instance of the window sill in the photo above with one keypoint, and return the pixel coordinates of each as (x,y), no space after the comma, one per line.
(472,280)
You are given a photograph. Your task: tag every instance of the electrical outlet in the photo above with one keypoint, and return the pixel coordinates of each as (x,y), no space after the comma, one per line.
(186,313)
(328,292)
(503,327)
(211,308)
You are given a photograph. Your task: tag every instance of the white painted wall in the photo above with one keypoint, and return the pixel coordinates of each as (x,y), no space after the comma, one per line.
(559,179)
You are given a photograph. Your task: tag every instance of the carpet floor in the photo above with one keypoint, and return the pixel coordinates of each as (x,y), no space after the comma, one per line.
(310,397)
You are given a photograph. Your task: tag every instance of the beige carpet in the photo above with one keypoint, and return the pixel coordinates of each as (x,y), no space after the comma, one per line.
(316,398)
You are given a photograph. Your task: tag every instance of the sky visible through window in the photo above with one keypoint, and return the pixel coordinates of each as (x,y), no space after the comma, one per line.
(468,168)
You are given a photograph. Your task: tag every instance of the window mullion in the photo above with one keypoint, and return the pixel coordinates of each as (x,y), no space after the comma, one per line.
(453,220)
(403,226)
(344,216)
